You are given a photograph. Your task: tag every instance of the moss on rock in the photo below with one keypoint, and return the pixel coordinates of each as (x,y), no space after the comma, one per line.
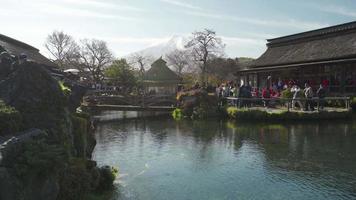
(10,119)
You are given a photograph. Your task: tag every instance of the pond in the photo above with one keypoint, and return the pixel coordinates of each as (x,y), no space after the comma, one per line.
(163,159)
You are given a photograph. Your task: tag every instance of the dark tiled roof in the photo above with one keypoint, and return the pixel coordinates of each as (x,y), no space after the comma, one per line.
(336,42)
(16,47)
(159,72)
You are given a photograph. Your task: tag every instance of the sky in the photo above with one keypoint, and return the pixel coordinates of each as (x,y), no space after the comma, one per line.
(132,25)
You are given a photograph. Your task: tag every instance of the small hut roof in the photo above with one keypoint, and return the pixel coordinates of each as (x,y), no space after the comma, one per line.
(159,72)
(16,47)
(331,43)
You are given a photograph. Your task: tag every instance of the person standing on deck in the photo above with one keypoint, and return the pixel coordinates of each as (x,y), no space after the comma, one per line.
(295,90)
(308,92)
(321,94)
(266,95)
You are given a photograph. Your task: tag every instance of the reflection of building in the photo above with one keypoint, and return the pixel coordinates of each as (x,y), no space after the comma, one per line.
(15,47)
(325,55)
(160,79)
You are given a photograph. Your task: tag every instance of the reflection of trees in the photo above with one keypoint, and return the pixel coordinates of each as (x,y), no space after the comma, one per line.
(302,146)
(309,146)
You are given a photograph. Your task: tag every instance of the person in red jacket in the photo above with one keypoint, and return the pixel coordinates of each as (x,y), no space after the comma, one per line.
(266,95)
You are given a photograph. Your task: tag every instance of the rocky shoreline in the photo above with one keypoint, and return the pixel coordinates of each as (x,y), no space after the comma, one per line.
(45,146)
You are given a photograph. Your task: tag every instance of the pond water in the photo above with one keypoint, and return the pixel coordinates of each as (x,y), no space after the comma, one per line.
(162,159)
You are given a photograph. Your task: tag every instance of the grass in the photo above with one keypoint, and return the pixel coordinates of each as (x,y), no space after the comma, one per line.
(282,115)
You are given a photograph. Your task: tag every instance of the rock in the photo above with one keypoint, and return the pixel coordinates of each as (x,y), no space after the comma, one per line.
(107,177)
(77,93)
(33,92)
(9,186)
(12,147)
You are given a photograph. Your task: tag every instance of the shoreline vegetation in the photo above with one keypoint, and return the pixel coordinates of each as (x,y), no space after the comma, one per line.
(198,104)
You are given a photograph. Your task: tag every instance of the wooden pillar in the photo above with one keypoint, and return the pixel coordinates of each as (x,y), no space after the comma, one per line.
(343,78)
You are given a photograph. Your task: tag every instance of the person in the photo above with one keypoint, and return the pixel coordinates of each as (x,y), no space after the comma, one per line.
(308,92)
(266,95)
(321,94)
(218,91)
(296,90)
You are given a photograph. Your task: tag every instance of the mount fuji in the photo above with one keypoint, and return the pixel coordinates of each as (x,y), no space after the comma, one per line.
(162,49)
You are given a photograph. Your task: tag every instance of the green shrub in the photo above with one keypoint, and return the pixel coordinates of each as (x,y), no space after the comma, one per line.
(66,90)
(287,94)
(177,114)
(10,119)
(231,112)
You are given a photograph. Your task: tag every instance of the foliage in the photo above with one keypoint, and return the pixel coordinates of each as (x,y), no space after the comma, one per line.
(197,104)
(232,112)
(120,73)
(287,94)
(65,89)
(39,158)
(221,68)
(262,115)
(177,114)
(10,119)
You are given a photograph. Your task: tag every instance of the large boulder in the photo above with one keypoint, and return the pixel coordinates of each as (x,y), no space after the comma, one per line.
(33,92)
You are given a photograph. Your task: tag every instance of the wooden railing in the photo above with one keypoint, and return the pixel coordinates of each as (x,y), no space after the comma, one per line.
(320,103)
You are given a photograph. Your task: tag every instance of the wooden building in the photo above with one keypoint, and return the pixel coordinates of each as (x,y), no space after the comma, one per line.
(159,79)
(16,48)
(326,55)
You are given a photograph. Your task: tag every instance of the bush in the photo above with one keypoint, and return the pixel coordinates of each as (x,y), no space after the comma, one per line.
(10,119)
(287,94)
(66,90)
(177,114)
(232,112)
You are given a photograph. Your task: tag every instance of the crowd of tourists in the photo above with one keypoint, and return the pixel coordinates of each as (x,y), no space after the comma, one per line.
(302,98)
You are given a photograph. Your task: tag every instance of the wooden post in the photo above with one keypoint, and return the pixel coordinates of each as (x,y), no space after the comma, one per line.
(288,105)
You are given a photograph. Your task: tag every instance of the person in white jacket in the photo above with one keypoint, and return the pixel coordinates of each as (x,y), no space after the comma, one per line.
(295,90)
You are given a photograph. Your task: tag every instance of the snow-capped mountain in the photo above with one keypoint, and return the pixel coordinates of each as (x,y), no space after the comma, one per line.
(162,49)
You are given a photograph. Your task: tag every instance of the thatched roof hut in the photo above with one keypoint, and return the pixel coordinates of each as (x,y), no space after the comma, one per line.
(323,54)
(160,79)
(322,45)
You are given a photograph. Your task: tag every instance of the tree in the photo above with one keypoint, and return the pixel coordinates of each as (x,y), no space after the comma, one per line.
(222,68)
(179,59)
(62,47)
(141,61)
(95,56)
(205,45)
(120,73)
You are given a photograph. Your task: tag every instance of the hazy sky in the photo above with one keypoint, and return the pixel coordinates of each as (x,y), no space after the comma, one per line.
(131,25)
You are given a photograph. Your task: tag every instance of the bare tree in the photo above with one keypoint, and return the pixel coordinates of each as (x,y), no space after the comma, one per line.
(179,59)
(62,47)
(205,45)
(95,56)
(141,61)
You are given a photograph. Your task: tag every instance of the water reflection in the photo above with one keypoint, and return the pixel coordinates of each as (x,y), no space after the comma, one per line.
(164,159)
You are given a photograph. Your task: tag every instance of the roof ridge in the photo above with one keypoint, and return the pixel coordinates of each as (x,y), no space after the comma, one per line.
(17,42)
(313,33)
